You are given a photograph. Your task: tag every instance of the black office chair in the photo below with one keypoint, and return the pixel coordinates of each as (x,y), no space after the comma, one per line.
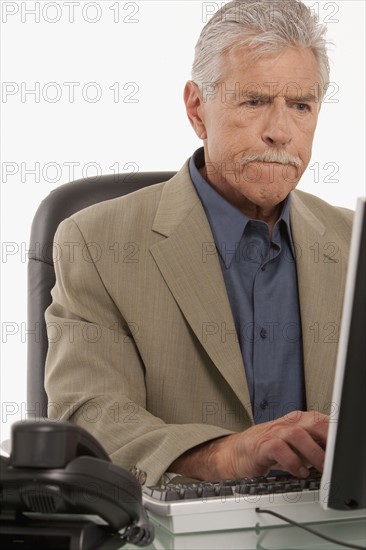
(58,205)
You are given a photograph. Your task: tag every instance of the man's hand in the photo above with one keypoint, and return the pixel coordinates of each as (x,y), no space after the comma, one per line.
(293,443)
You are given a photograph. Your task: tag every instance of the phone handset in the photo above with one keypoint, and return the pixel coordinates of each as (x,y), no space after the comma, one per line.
(50,444)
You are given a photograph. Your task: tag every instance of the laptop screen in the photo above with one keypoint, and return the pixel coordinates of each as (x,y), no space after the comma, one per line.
(344,478)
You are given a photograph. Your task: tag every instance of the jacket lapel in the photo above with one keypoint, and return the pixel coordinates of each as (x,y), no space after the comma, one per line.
(188,262)
(321,271)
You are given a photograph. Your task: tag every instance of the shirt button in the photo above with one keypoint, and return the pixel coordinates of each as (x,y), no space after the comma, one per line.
(263,333)
(264,404)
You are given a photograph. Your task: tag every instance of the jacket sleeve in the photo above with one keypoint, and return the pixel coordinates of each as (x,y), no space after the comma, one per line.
(94,373)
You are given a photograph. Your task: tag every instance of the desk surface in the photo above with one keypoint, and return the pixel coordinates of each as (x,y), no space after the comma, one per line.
(275,538)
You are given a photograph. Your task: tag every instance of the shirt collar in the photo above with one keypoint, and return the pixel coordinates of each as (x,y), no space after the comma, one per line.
(226,221)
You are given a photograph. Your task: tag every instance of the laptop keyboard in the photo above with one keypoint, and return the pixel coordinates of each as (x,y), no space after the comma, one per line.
(283,484)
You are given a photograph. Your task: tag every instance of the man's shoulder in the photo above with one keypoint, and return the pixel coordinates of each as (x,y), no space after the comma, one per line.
(143,201)
(135,211)
(106,221)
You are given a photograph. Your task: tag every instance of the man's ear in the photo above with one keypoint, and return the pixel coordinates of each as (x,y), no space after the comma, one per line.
(194,107)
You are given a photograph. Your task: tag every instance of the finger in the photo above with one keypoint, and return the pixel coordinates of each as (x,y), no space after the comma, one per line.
(279,452)
(316,424)
(319,432)
(295,449)
(309,450)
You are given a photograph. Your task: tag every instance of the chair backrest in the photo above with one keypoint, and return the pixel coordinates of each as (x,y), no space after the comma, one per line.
(58,205)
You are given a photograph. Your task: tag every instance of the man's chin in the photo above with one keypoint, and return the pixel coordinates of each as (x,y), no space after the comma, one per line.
(268,197)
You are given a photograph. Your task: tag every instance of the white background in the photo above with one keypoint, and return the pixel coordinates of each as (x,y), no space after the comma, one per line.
(145,49)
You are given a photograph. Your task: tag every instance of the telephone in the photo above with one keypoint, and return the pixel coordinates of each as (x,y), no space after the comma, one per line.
(59,490)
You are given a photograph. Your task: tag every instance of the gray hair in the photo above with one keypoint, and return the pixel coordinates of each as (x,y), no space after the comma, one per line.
(265,26)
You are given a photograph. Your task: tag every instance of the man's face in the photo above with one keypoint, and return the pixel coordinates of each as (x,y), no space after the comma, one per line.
(268,106)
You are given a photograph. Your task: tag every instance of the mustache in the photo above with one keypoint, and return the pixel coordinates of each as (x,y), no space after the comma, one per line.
(272,155)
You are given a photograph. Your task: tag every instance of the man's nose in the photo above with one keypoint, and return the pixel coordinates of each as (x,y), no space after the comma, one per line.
(276,130)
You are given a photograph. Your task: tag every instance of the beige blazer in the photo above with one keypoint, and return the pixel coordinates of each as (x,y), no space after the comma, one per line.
(143,350)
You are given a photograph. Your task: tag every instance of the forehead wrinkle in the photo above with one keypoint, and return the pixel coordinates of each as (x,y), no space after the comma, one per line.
(246,66)
(266,97)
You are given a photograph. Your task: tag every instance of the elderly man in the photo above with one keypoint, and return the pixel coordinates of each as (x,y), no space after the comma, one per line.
(214,326)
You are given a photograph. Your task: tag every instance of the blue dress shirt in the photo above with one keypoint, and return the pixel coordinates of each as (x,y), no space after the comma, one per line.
(261,282)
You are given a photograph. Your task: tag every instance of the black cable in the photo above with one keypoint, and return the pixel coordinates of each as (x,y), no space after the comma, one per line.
(309,529)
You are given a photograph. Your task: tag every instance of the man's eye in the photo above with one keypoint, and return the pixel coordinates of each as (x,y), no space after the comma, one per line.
(252,103)
(302,106)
